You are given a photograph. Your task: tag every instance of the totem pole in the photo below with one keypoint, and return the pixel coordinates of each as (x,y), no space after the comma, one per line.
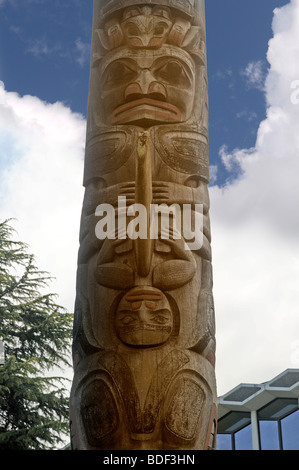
(144,328)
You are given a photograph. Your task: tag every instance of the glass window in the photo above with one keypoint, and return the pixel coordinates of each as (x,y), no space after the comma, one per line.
(233,421)
(243,439)
(290,431)
(224,442)
(278,408)
(269,435)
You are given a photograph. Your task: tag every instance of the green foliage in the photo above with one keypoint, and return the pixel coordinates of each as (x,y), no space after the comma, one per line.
(36,333)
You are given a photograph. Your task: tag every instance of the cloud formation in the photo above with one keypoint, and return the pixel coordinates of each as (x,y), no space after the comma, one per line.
(254,73)
(83,50)
(255,222)
(41,168)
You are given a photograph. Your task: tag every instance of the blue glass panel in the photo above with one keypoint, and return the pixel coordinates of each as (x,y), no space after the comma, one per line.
(224,442)
(243,439)
(278,408)
(233,421)
(269,435)
(290,431)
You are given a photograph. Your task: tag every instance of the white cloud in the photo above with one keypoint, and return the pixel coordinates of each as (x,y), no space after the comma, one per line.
(246,114)
(213,173)
(83,50)
(254,73)
(41,170)
(223,74)
(77,50)
(255,222)
(2,93)
(254,219)
(38,48)
(226,76)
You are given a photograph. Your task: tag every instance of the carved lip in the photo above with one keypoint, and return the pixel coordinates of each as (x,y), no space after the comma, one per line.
(143,294)
(145,109)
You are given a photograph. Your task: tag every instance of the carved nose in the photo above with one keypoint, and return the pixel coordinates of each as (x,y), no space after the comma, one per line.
(143,314)
(157,89)
(141,88)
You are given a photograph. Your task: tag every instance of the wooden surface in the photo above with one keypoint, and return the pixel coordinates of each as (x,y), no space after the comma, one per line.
(144,328)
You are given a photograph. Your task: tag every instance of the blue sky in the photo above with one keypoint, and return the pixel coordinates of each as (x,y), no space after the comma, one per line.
(44,52)
(253,62)
(237,35)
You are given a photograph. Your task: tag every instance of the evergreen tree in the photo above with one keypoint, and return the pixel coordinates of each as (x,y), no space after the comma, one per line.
(36,334)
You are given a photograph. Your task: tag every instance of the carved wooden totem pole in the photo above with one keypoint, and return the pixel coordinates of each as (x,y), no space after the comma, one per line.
(144,328)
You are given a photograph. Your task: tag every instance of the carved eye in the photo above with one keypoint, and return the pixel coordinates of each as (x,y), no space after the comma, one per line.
(132,30)
(173,72)
(161,317)
(159,29)
(117,74)
(127,318)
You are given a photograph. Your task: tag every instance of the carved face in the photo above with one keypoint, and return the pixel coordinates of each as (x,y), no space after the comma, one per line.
(147,88)
(144,318)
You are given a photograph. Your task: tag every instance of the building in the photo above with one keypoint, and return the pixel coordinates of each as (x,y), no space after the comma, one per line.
(261,417)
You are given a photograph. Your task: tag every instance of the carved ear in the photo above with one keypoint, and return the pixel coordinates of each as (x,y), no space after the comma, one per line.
(178,32)
(101,46)
(114,33)
(107,39)
(194,44)
(111,36)
(103,39)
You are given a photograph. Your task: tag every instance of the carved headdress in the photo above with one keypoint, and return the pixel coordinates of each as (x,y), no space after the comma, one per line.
(185,7)
(150,24)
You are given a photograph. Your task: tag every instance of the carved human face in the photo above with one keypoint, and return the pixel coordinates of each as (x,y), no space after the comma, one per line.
(145,88)
(144,318)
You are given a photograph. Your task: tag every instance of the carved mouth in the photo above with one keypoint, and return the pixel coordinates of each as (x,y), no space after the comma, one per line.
(144,335)
(145,327)
(145,111)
